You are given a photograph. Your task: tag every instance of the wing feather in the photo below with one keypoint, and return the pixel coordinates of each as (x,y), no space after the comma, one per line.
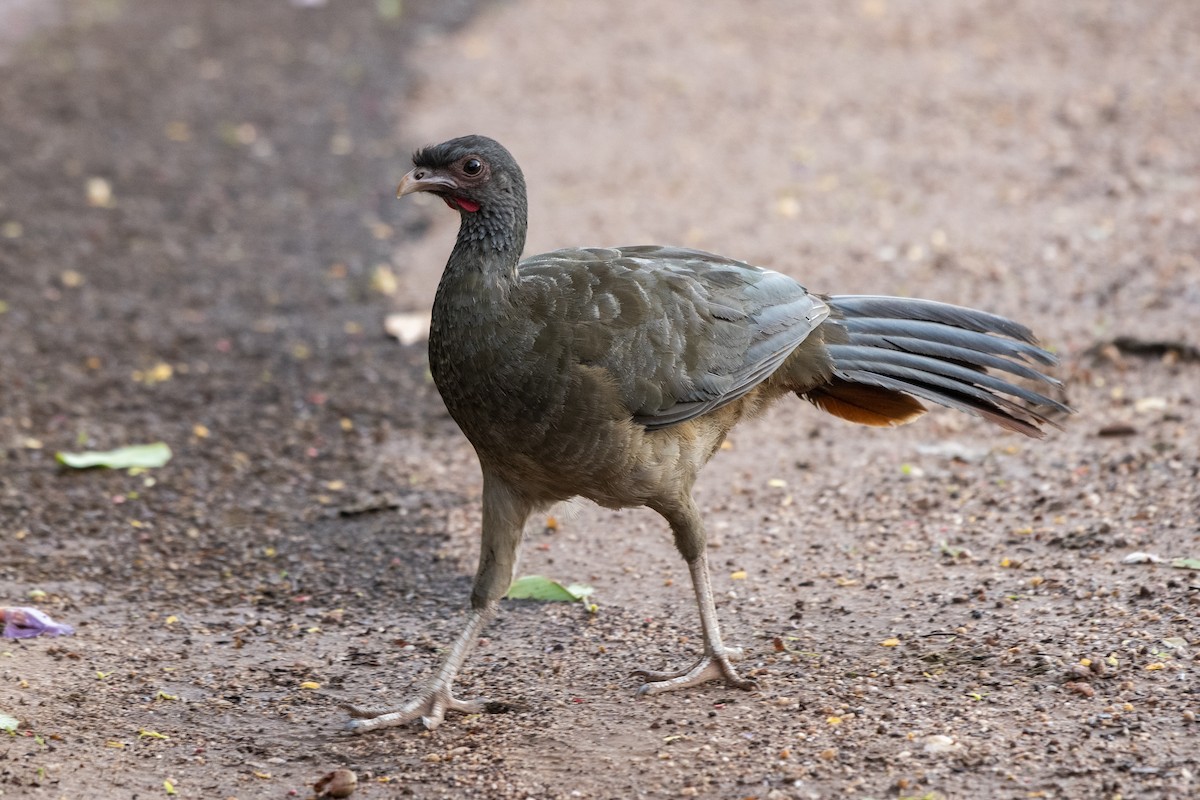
(680,332)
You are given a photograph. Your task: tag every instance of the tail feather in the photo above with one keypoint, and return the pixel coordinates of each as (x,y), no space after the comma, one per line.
(937,352)
(881,307)
(930,331)
(961,397)
(907,365)
(950,353)
(866,404)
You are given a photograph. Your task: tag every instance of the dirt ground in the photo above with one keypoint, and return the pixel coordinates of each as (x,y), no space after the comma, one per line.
(199,245)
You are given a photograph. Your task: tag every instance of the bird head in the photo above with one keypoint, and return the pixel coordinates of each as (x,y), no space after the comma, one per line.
(469,173)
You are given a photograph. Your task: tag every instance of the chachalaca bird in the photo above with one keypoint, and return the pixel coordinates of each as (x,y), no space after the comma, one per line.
(615,374)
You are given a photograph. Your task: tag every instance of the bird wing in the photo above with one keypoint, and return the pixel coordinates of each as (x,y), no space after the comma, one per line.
(680,332)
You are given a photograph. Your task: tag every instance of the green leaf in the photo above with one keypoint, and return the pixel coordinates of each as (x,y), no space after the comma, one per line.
(389,9)
(139,455)
(581,591)
(535,587)
(8,723)
(1185,563)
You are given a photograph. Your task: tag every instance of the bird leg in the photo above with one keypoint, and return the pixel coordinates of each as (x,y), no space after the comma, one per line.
(716,662)
(436,698)
(504,514)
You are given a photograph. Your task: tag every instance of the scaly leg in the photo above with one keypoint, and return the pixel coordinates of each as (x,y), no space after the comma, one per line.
(504,514)
(716,663)
(436,699)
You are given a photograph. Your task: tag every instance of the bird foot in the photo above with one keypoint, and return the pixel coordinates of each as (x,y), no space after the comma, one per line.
(431,707)
(709,667)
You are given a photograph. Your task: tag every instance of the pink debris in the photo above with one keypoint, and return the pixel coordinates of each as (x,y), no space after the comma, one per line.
(25,623)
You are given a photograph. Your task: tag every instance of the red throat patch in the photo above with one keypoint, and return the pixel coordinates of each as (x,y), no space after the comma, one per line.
(462,203)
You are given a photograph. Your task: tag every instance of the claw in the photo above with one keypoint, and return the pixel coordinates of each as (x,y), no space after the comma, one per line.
(709,667)
(431,707)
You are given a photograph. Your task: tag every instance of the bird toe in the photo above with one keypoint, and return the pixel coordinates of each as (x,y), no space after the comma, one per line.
(430,707)
(709,667)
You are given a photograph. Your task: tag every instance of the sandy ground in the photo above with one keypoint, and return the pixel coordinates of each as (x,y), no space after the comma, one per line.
(317,526)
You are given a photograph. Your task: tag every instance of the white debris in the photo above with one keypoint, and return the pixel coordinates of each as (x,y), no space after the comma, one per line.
(409,327)
(939,743)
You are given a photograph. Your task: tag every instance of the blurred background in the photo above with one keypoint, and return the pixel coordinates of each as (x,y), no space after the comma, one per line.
(199,244)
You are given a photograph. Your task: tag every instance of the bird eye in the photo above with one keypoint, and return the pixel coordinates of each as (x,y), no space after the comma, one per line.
(472,166)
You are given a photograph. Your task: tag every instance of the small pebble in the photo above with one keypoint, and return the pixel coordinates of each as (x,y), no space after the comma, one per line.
(939,743)
(339,783)
(1080,688)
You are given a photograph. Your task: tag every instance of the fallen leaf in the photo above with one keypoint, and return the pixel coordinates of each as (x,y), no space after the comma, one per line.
(141,455)
(23,622)
(159,373)
(536,587)
(1185,563)
(8,723)
(383,280)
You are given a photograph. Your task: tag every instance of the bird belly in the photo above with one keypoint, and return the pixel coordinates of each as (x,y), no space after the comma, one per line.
(555,428)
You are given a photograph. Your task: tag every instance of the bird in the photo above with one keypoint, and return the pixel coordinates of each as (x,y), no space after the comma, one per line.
(615,374)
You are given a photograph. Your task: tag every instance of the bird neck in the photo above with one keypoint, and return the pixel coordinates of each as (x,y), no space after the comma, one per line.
(490,242)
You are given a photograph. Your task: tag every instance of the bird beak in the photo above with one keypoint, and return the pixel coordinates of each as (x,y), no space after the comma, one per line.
(423,179)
